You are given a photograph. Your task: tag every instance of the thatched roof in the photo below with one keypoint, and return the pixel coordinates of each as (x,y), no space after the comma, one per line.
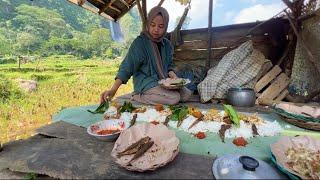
(110,9)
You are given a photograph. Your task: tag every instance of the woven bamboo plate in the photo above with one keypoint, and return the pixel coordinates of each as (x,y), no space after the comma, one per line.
(303,124)
(295,116)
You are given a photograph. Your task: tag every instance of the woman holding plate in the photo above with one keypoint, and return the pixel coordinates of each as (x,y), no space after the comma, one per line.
(149,60)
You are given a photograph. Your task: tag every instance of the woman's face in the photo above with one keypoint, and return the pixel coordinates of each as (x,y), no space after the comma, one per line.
(156,28)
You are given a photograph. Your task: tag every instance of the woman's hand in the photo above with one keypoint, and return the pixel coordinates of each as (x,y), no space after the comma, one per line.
(172,75)
(107,95)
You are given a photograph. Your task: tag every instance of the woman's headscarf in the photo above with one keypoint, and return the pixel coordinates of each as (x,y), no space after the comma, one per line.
(151,15)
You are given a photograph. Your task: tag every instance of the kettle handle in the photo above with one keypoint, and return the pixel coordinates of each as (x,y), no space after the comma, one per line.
(249,163)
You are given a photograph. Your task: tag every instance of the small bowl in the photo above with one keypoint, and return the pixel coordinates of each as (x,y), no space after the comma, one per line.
(241,97)
(107,124)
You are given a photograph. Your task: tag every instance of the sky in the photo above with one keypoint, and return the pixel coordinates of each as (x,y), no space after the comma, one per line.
(225,12)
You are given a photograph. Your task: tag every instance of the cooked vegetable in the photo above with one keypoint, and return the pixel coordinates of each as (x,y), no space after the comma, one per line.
(159,107)
(101,108)
(195,112)
(212,115)
(232,113)
(179,113)
(304,161)
(127,107)
(180,83)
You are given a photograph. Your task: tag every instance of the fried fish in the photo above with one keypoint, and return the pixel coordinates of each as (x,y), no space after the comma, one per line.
(223,129)
(142,150)
(135,147)
(167,121)
(196,121)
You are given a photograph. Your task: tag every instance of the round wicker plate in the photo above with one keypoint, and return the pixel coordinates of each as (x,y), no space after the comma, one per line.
(299,120)
(303,124)
(164,150)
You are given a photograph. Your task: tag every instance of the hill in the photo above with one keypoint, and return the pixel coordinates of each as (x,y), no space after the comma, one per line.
(56,27)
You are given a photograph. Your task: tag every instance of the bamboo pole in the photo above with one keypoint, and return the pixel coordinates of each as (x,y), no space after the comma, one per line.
(209,34)
(144,9)
(142,15)
(161,2)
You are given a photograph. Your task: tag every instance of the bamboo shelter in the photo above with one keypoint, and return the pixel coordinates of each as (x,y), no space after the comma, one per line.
(282,40)
(286,47)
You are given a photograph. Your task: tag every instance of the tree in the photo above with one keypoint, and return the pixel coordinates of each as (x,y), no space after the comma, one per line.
(184,2)
(40,22)
(131,27)
(26,42)
(5,44)
(56,27)
(57,46)
(99,41)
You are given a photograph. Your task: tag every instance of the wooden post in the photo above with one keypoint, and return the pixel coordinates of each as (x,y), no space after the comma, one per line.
(142,15)
(161,2)
(144,9)
(209,34)
(19,58)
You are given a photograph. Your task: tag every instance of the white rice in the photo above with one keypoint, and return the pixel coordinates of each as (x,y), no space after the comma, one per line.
(245,130)
(111,111)
(269,128)
(151,115)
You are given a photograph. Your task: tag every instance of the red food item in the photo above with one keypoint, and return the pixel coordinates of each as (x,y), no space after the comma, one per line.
(94,128)
(159,107)
(200,135)
(121,124)
(107,131)
(154,122)
(240,141)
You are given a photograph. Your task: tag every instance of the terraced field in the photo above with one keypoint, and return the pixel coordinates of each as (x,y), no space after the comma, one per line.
(63,81)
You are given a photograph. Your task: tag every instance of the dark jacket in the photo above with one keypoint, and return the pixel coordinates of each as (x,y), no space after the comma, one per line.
(140,62)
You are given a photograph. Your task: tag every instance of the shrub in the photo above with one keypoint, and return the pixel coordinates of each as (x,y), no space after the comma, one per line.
(41,77)
(8,60)
(8,90)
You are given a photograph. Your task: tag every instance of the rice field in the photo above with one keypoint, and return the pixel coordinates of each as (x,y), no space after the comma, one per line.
(63,81)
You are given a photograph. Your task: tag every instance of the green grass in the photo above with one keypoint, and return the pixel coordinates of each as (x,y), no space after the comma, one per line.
(62,82)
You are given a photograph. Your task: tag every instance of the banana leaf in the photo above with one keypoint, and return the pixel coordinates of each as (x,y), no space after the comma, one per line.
(232,113)
(101,108)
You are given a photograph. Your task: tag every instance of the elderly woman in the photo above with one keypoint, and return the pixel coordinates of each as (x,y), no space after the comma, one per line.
(148,60)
